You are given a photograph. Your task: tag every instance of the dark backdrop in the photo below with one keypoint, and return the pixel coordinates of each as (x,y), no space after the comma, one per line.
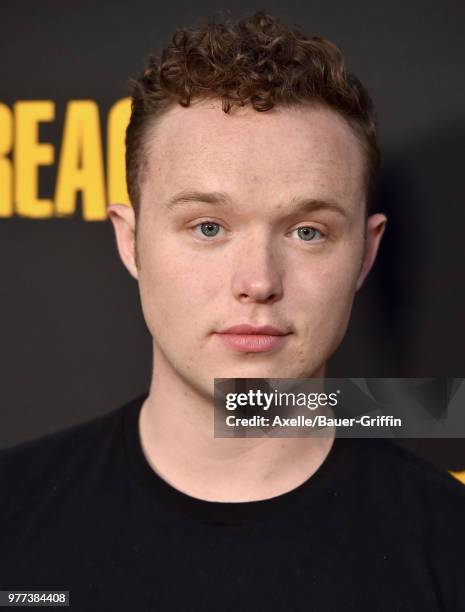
(73,340)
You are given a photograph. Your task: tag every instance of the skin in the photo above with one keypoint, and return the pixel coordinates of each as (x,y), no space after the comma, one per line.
(257,269)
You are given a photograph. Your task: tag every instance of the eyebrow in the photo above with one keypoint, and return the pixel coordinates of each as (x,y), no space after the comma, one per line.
(218,198)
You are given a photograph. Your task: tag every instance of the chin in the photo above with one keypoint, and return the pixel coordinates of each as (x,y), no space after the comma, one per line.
(254,370)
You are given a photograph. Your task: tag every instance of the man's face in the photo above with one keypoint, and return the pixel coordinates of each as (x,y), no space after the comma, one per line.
(249,263)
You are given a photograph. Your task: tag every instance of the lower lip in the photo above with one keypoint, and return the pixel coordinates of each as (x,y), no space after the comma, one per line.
(252,343)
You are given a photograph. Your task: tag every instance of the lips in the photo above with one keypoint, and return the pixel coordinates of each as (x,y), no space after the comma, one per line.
(268,330)
(250,339)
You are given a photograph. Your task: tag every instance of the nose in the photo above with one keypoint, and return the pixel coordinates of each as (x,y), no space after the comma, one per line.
(257,276)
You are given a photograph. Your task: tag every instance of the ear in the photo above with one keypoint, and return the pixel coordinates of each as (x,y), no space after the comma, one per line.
(124,224)
(375,227)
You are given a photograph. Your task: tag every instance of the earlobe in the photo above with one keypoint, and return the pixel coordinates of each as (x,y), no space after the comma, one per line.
(123,220)
(376,225)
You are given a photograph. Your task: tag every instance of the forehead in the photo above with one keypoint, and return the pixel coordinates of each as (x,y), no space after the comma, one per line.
(251,155)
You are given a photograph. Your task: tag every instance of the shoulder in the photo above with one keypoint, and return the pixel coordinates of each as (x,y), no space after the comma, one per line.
(46,448)
(414,489)
(396,464)
(54,463)
(414,469)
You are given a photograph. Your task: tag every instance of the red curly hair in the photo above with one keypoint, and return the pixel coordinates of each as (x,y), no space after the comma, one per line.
(258,61)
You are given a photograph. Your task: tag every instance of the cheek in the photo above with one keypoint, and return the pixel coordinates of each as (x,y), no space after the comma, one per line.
(324,290)
(174,285)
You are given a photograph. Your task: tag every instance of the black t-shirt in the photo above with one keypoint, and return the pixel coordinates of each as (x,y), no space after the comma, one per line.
(375,528)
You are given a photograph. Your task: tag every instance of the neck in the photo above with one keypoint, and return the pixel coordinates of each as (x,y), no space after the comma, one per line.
(176,431)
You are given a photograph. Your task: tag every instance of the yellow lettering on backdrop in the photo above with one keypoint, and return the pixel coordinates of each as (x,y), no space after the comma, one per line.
(81,163)
(118,119)
(6,170)
(459,475)
(29,153)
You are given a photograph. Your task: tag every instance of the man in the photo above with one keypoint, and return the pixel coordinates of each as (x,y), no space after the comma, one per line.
(251,158)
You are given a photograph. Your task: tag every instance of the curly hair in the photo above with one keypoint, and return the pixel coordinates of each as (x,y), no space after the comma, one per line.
(258,61)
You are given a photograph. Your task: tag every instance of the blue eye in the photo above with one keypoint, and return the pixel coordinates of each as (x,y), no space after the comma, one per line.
(307,233)
(209,228)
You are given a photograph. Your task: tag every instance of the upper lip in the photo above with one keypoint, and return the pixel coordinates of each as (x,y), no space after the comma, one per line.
(244,328)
